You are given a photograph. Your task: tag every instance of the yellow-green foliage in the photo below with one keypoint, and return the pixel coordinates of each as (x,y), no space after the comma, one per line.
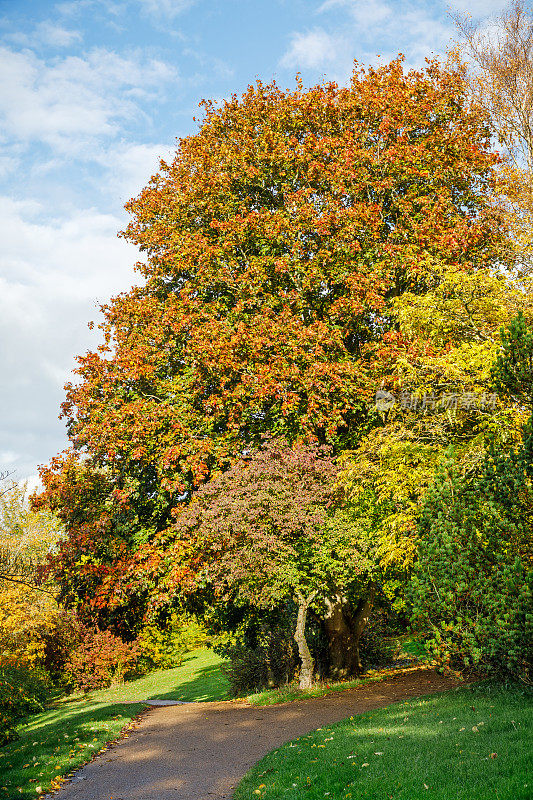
(164,645)
(453,330)
(445,345)
(26,614)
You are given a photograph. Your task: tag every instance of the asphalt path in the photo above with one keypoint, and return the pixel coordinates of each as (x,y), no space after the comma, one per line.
(200,751)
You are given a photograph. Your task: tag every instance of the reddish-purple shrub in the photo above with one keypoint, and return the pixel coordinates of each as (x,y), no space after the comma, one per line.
(99,660)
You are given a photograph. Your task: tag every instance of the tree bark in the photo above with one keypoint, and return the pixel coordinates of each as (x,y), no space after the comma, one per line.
(344,626)
(341,645)
(306,670)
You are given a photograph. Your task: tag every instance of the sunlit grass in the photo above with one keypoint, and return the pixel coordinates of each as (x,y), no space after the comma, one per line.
(62,738)
(198,678)
(473,743)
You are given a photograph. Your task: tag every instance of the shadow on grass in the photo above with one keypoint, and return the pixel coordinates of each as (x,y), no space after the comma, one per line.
(208,683)
(57,741)
(66,718)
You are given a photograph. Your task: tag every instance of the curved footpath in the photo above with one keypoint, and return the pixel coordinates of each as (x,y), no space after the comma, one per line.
(200,751)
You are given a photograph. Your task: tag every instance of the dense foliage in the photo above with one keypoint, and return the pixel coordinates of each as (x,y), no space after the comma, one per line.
(278,242)
(269,530)
(28,609)
(473,581)
(23,691)
(99,660)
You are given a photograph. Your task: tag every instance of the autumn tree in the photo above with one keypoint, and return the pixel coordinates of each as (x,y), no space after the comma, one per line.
(437,376)
(270,530)
(276,242)
(499,54)
(27,602)
(473,576)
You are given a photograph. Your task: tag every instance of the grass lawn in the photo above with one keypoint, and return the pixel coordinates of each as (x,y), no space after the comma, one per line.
(68,734)
(473,743)
(199,678)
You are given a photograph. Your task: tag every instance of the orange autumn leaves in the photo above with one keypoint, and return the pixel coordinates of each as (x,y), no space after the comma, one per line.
(275,244)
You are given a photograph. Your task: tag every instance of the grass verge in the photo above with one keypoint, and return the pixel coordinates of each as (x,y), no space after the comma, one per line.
(290,692)
(472,743)
(68,734)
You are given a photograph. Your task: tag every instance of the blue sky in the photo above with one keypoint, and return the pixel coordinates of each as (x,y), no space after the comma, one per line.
(92,94)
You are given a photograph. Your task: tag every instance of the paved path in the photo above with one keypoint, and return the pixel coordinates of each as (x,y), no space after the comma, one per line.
(199,751)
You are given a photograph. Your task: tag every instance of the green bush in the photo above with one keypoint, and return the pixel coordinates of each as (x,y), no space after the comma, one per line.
(472,585)
(22,692)
(160,648)
(162,645)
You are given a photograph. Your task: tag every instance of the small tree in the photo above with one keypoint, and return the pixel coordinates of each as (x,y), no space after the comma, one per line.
(268,532)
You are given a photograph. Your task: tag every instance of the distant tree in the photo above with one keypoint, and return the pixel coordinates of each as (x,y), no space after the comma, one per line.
(500,78)
(28,607)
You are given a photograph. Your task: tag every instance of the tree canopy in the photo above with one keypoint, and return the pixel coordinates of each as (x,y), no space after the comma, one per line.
(284,246)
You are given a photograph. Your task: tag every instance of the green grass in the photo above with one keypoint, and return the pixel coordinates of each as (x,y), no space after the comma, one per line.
(198,678)
(413,647)
(76,727)
(437,748)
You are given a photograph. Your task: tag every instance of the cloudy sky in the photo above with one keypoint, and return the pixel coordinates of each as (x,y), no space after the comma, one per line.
(92,93)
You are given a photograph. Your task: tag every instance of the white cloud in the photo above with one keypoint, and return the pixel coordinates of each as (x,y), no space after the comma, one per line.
(312,49)
(72,100)
(361,29)
(479,8)
(7,458)
(55,35)
(72,9)
(165,8)
(7,164)
(53,275)
(366,12)
(129,167)
(45,33)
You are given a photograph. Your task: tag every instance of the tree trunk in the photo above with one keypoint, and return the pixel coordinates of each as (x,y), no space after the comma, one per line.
(341,645)
(306,670)
(344,626)
(361,618)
